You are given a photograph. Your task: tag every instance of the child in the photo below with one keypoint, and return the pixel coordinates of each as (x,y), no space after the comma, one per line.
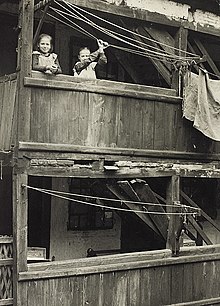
(44,60)
(85,68)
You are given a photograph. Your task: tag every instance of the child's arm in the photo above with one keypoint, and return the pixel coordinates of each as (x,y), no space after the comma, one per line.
(98,55)
(79,66)
(102,59)
(59,70)
(35,62)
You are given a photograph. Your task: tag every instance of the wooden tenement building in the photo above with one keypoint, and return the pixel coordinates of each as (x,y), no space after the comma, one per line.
(145,230)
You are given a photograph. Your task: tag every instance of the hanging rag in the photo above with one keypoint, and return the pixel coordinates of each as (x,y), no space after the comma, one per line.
(201,103)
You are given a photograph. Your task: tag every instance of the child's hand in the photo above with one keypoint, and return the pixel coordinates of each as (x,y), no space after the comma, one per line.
(105,44)
(102,45)
(53,68)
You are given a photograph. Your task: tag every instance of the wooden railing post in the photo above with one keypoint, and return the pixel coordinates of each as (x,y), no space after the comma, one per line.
(20,211)
(174,220)
(24,66)
(181,44)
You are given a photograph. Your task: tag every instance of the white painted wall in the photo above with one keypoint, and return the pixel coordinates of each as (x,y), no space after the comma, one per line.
(173,10)
(69,244)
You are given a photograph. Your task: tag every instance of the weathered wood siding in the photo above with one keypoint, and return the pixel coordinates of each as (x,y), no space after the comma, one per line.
(110,114)
(8,86)
(143,279)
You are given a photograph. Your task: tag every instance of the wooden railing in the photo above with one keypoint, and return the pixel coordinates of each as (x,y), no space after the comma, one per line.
(99,113)
(6,265)
(144,279)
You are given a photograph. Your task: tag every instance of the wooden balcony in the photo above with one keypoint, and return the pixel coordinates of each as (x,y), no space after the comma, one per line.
(99,113)
(146,278)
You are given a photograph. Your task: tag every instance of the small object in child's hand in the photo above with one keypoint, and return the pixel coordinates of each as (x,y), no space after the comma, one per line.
(48,71)
(105,44)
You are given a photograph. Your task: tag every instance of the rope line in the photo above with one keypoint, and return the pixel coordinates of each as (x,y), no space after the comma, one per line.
(159,55)
(65,23)
(112,34)
(129,31)
(125,201)
(83,31)
(213,74)
(53,193)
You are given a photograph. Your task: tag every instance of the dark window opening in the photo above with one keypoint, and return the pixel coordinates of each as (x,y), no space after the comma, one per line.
(84,217)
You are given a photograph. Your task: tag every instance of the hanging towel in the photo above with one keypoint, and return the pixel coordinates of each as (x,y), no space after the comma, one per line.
(201,103)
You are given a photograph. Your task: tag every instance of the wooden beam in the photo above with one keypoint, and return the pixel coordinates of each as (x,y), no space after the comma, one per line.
(42,4)
(20,211)
(123,265)
(40,24)
(163,38)
(50,147)
(120,10)
(24,66)
(209,59)
(145,194)
(104,87)
(199,230)
(106,83)
(140,14)
(181,44)
(192,50)
(160,66)
(175,223)
(189,233)
(192,203)
(133,197)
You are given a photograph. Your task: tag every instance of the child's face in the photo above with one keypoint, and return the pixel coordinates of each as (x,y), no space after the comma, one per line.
(84,55)
(45,45)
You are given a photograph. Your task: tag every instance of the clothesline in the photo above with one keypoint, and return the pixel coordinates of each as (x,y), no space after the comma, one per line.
(127,30)
(57,194)
(112,33)
(81,30)
(146,52)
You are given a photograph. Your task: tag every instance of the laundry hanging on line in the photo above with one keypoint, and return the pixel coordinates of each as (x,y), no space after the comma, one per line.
(201,103)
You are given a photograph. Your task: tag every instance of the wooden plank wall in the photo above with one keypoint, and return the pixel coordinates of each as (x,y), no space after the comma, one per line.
(165,282)
(103,120)
(7,112)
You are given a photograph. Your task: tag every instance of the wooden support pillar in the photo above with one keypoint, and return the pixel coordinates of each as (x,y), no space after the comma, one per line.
(40,24)
(20,211)
(180,43)
(24,66)
(175,221)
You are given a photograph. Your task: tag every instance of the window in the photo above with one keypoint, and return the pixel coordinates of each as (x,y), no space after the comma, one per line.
(84,217)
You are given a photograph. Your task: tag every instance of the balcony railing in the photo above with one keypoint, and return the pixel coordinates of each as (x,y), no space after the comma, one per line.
(100,113)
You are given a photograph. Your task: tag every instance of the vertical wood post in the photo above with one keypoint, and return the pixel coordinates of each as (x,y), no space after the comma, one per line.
(180,43)
(23,98)
(20,211)
(24,66)
(174,220)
